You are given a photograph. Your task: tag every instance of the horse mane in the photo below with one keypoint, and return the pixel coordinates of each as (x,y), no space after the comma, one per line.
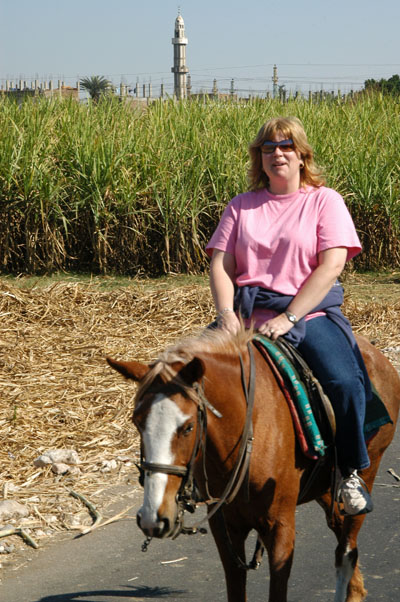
(209,341)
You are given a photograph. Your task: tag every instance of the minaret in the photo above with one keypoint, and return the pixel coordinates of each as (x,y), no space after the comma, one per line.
(179,69)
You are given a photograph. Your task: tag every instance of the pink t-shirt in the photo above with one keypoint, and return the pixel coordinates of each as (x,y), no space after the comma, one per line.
(275,239)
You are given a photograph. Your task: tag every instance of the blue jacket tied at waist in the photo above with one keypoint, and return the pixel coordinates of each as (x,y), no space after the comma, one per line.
(247,298)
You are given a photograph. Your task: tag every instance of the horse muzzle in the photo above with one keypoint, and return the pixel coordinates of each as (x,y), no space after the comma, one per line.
(161,528)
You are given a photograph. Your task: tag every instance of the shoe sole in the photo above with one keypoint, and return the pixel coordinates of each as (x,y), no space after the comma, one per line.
(364,511)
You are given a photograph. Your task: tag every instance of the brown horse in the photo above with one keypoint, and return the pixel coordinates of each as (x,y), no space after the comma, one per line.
(203,376)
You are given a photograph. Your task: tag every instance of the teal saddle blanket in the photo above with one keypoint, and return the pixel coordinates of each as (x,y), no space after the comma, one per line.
(311,441)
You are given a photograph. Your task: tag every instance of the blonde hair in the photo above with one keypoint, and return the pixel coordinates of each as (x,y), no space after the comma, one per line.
(290,127)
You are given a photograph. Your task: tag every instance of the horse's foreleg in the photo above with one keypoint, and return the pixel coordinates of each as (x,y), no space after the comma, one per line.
(279,541)
(230,541)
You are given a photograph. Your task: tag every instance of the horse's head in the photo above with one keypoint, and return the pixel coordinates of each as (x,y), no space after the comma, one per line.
(166,415)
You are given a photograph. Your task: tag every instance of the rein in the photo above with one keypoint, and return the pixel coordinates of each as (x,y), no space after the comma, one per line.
(185,499)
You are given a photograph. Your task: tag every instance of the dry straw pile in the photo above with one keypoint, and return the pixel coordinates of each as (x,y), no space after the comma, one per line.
(59,393)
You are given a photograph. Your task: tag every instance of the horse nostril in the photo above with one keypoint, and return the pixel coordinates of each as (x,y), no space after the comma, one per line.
(166,527)
(138,519)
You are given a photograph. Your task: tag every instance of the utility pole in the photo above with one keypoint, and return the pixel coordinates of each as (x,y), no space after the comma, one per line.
(275,82)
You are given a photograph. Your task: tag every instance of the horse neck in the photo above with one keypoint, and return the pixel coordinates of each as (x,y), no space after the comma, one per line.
(223,389)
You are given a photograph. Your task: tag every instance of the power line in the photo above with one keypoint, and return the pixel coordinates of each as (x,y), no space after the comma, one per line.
(230,67)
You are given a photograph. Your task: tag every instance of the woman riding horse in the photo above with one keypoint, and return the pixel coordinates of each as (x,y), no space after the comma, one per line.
(190,410)
(277,253)
(276,256)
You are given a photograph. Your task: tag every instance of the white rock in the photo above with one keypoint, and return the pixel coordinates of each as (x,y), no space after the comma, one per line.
(74,470)
(60,468)
(57,456)
(78,519)
(9,487)
(108,465)
(25,521)
(42,461)
(11,508)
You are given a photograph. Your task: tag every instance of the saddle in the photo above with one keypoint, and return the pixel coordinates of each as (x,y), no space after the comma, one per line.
(311,410)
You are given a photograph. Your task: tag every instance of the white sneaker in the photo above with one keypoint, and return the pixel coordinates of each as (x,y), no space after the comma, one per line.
(354,495)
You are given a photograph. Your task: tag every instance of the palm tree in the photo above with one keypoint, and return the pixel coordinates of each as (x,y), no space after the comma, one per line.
(96,86)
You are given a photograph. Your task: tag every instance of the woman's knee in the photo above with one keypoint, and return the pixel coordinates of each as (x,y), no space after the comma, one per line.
(345,389)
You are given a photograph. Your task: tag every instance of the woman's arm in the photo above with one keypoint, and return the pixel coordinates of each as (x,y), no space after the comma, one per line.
(316,287)
(222,277)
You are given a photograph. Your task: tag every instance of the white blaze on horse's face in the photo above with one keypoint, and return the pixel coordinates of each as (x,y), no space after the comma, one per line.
(162,422)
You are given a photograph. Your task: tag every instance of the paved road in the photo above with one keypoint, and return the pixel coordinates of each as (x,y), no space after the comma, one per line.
(108,565)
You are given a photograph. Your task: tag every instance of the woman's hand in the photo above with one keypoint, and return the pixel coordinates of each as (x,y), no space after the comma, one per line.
(276,327)
(229,321)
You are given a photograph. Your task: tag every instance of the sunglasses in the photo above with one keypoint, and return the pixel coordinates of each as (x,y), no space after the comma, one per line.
(286,146)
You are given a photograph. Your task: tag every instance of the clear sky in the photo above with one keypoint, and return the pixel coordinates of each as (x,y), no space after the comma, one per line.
(314,43)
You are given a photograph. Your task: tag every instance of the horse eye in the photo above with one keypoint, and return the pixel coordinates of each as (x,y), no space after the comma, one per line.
(188,429)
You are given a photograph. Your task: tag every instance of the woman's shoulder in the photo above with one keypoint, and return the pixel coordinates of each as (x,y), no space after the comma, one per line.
(329,204)
(248,199)
(323,191)
(324,194)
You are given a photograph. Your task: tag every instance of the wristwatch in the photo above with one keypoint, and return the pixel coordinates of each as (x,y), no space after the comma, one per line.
(291,317)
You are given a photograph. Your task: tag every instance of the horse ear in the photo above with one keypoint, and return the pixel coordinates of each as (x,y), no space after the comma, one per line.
(193,371)
(133,370)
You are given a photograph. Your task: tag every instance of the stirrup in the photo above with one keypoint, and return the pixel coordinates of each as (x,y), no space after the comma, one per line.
(368,506)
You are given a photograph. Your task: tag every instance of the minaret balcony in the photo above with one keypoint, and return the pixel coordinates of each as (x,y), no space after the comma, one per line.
(179,40)
(179,69)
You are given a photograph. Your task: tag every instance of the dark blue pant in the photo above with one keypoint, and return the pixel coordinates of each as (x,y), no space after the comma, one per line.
(330,356)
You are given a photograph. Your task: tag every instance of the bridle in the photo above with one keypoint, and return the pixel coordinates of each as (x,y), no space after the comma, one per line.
(185,496)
